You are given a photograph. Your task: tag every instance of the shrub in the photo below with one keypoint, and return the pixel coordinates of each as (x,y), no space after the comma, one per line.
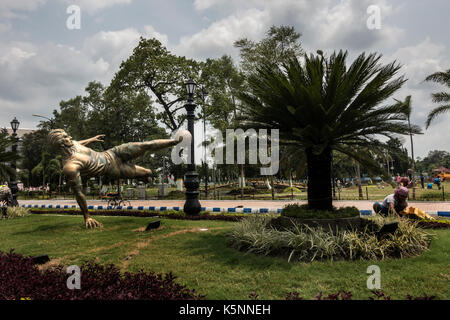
(237,191)
(254,234)
(17,212)
(292,189)
(304,212)
(20,279)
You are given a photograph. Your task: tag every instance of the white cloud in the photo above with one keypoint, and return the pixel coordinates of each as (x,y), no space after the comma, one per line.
(35,78)
(324,24)
(150,32)
(111,46)
(10,8)
(419,61)
(219,37)
(229,5)
(5,27)
(93,6)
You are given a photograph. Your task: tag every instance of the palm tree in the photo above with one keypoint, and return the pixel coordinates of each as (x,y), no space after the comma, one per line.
(321,106)
(6,157)
(439,97)
(408,111)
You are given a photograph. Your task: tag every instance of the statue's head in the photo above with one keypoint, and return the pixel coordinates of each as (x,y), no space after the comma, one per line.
(60,139)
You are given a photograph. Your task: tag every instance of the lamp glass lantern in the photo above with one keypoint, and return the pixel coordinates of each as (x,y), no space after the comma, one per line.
(190,87)
(15,124)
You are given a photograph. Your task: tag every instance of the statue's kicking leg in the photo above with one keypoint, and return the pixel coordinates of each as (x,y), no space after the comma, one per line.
(76,184)
(132,150)
(131,171)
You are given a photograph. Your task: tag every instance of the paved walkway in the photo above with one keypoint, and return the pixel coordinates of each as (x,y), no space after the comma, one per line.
(278,204)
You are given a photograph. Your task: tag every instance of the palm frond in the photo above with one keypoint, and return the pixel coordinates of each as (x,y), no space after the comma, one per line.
(441,97)
(440,77)
(436,112)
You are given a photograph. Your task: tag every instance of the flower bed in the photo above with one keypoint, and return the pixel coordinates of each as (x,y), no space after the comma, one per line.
(21,279)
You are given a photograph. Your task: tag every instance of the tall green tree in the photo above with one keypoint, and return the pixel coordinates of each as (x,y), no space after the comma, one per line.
(280,44)
(162,75)
(48,170)
(33,145)
(434,160)
(322,105)
(6,156)
(439,97)
(408,111)
(397,156)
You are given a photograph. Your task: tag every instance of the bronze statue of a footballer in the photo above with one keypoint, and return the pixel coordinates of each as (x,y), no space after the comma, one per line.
(79,160)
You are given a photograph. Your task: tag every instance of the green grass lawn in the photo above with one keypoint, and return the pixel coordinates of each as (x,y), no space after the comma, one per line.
(203,261)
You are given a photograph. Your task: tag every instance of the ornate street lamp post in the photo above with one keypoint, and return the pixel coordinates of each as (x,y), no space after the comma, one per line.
(192,205)
(13,184)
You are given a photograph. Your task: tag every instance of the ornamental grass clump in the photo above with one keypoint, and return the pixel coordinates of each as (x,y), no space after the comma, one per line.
(21,279)
(17,212)
(304,243)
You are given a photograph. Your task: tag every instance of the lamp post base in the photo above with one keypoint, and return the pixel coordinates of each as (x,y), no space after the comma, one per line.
(192,206)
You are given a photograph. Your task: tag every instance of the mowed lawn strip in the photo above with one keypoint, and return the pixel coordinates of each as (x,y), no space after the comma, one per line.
(202,259)
(66,238)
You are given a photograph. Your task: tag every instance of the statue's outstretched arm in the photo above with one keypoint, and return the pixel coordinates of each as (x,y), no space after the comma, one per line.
(97,138)
(74,179)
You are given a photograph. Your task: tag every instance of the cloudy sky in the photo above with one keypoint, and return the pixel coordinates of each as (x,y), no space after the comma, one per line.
(42,61)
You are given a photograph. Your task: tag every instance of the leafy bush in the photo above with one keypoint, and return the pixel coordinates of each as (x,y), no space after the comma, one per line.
(247,190)
(17,212)
(304,212)
(20,279)
(254,234)
(292,189)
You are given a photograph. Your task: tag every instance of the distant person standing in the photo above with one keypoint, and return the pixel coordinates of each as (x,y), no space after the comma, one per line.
(422,180)
(339,185)
(437,181)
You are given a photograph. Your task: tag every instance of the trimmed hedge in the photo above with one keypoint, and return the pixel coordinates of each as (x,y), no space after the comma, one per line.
(21,279)
(170,214)
(304,212)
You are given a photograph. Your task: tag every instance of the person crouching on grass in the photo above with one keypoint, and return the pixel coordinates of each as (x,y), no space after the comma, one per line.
(395,202)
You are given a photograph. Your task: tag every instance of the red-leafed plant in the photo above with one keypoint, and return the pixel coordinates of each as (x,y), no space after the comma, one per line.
(21,279)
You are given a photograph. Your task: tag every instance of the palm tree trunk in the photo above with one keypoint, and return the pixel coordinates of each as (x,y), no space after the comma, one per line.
(319,179)
(412,166)
(358,179)
(242,180)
